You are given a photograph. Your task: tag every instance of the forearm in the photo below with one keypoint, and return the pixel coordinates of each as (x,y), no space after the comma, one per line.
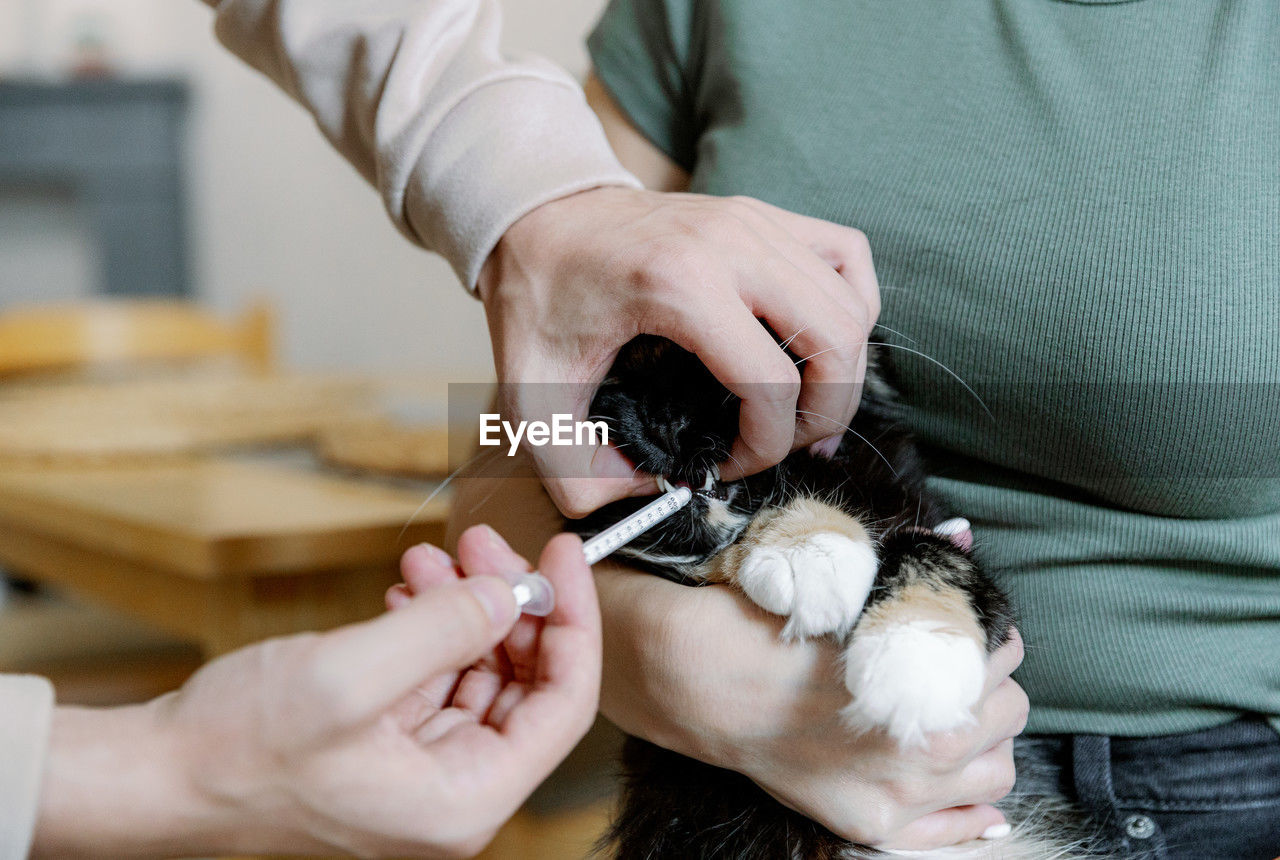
(628,694)
(114,785)
(646,162)
(701,670)
(460,140)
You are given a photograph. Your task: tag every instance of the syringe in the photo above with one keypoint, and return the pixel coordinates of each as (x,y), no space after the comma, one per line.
(533,592)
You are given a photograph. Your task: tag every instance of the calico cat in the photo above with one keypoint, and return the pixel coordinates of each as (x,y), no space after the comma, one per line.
(840,546)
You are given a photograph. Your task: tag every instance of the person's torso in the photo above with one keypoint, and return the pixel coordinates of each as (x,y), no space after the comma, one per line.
(1075,207)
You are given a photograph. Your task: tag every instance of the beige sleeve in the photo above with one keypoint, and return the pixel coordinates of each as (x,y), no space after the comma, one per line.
(26,708)
(460,140)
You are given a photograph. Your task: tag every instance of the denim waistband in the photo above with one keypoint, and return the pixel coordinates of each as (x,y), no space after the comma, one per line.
(1230,766)
(1165,797)
(1234,765)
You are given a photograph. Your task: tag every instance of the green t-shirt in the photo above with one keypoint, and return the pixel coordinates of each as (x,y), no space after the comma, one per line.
(1075,206)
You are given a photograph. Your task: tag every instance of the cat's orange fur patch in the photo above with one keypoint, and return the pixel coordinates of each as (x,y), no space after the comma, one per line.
(796,522)
(923,601)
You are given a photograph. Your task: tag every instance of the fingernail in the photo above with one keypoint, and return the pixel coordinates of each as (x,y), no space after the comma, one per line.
(534,594)
(492,537)
(397,596)
(958,531)
(826,448)
(953,526)
(997,831)
(436,554)
(496,598)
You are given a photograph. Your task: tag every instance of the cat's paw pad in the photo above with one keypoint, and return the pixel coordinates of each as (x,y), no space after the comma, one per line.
(818,584)
(913,679)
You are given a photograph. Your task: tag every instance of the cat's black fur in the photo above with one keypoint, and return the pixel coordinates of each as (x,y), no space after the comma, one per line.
(673,419)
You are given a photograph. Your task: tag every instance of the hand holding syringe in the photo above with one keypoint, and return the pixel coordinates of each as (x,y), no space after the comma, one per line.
(534,594)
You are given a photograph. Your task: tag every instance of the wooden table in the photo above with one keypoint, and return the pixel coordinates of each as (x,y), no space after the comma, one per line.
(220,550)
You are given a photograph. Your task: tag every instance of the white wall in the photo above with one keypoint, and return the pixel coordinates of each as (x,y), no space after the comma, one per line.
(274,212)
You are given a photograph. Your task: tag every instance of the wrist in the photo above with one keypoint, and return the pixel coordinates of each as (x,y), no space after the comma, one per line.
(533,236)
(116,782)
(649,689)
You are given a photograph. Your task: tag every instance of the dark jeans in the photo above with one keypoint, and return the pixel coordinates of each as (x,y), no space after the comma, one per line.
(1207,795)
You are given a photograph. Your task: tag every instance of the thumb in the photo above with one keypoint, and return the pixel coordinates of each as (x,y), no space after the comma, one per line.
(371,666)
(560,706)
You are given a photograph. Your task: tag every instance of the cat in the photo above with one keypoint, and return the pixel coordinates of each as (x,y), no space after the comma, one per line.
(841,546)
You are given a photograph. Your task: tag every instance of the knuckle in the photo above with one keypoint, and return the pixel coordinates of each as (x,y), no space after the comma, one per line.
(784,387)
(872,299)
(720,222)
(846,345)
(1002,784)
(859,245)
(1012,649)
(868,312)
(900,794)
(664,265)
(950,749)
(651,276)
(1022,712)
(854,330)
(573,500)
(876,823)
(1016,646)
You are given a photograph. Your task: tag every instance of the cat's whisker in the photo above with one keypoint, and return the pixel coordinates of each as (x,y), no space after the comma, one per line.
(895,331)
(440,488)
(738,463)
(786,343)
(848,429)
(948,370)
(640,466)
(818,353)
(489,495)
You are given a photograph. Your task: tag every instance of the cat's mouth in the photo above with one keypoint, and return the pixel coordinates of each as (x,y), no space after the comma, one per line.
(710,488)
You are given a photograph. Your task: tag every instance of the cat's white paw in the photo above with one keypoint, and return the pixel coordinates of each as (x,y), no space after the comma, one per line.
(913,679)
(818,584)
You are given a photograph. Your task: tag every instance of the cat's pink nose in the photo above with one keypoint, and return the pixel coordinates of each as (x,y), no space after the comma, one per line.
(958,531)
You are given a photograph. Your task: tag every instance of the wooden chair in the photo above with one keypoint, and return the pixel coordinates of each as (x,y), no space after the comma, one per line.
(94,656)
(63,337)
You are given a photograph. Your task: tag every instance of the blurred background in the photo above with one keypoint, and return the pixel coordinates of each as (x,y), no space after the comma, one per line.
(231,445)
(269,210)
